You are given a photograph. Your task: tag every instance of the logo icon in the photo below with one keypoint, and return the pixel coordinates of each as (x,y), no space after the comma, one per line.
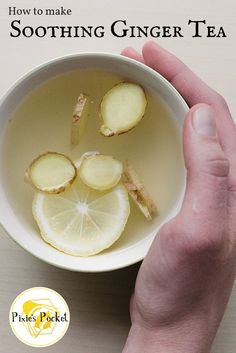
(39,317)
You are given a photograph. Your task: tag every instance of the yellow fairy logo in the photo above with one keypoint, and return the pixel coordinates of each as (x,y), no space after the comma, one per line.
(43,311)
(39,322)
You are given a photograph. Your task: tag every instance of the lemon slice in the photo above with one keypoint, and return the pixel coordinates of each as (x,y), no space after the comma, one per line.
(82,221)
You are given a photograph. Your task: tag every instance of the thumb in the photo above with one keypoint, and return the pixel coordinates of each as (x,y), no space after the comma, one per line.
(207,167)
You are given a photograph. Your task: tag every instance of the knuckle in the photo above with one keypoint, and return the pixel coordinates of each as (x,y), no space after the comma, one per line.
(195,240)
(217,166)
(221,100)
(204,244)
(232,188)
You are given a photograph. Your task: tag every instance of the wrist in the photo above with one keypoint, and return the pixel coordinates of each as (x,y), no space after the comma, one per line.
(183,338)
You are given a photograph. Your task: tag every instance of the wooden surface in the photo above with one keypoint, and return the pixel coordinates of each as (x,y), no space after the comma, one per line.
(99,302)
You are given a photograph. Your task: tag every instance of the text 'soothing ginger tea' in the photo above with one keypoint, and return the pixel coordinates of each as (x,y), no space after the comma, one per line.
(43,123)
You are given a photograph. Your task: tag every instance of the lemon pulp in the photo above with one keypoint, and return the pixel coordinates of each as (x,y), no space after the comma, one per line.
(82,221)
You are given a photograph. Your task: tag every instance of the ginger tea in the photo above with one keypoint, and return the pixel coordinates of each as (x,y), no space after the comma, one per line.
(42,123)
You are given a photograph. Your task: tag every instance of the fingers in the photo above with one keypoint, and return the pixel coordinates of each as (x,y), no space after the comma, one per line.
(162,61)
(204,208)
(174,70)
(194,91)
(202,149)
(133,54)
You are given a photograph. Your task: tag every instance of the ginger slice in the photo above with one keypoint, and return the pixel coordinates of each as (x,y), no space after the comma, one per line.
(100,172)
(79,118)
(51,172)
(78,162)
(138,192)
(122,108)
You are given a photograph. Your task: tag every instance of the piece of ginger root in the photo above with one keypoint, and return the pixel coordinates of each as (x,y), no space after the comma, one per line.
(138,192)
(79,118)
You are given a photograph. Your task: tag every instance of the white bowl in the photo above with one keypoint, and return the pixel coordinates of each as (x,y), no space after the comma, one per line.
(28,238)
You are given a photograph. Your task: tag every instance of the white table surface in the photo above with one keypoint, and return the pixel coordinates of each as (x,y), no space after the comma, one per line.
(99,302)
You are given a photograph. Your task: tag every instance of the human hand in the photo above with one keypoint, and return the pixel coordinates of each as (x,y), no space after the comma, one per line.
(185,281)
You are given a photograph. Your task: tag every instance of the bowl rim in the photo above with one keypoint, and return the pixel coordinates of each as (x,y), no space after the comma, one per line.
(102,55)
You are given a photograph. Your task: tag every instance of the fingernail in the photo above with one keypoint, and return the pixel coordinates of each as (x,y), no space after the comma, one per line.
(204,121)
